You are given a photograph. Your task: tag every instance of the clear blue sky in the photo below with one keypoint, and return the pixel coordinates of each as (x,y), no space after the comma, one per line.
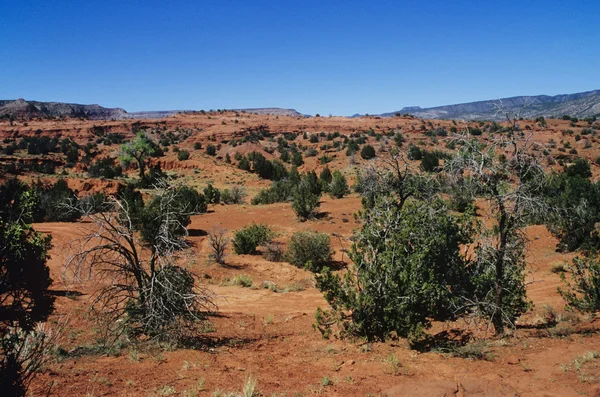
(327,57)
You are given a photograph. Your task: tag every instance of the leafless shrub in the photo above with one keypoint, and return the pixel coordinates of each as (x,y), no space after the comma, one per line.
(218,242)
(144,288)
(273,252)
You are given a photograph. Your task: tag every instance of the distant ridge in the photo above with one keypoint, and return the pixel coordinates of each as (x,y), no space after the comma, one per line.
(21,108)
(583,104)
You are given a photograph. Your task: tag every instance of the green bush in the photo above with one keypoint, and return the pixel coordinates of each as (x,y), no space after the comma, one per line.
(305,200)
(367,152)
(211,150)
(212,194)
(105,168)
(430,161)
(408,272)
(339,186)
(247,239)
(183,155)
(583,292)
(414,152)
(278,192)
(310,250)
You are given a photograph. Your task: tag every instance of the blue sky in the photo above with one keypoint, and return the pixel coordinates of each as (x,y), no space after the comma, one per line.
(327,57)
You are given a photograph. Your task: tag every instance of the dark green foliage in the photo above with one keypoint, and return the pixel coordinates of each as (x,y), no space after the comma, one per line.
(106,168)
(212,194)
(183,155)
(312,181)
(154,177)
(273,170)
(583,291)
(211,150)
(430,161)
(310,250)
(41,144)
(189,201)
(367,152)
(247,239)
(243,163)
(339,186)
(325,178)
(576,203)
(55,202)
(305,200)
(297,160)
(399,139)
(93,204)
(24,282)
(580,167)
(278,192)
(353,147)
(24,275)
(132,202)
(197,145)
(408,271)
(414,152)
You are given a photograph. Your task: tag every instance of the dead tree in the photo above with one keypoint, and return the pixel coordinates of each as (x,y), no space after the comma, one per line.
(505,171)
(138,264)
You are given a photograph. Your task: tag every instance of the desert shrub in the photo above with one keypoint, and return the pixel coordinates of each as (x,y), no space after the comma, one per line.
(234,195)
(106,168)
(311,152)
(218,242)
(273,252)
(414,152)
(325,179)
(461,197)
(430,161)
(54,201)
(25,300)
(247,239)
(183,155)
(211,150)
(576,201)
(583,290)
(278,192)
(310,250)
(367,152)
(153,178)
(212,194)
(339,186)
(197,145)
(189,200)
(41,144)
(305,200)
(402,279)
(580,167)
